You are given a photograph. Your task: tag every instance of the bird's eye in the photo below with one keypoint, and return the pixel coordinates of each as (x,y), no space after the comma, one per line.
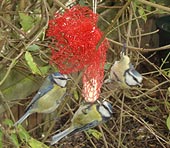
(85,111)
(62,78)
(108,106)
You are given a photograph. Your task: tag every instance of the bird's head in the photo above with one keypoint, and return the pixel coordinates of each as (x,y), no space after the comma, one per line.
(59,79)
(132,77)
(106,110)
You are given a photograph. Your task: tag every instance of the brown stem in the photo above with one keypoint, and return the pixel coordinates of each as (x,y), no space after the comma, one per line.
(113,23)
(155,5)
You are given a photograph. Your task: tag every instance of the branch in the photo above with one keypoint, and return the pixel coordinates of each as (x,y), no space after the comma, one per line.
(141,49)
(155,5)
(60,4)
(113,23)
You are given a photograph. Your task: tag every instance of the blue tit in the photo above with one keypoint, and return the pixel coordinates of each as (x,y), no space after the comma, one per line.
(87,116)
(48,97)
(124,72)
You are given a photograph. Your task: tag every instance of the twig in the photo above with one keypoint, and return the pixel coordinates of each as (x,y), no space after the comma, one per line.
(144,34)
(109,7)
(90,139)
(141,121)
(166,58)
(129,26)
(9,109)
(60,4)
(118,31)
(154,5)
(14,61)
(121,122)
(141,49)
(12,26)
(113,23)
(133,19)
(158,69)
(104,139)
(113,135)
(138,26)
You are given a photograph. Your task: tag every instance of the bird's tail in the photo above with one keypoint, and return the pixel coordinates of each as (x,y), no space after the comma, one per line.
(61,135)
(22,118)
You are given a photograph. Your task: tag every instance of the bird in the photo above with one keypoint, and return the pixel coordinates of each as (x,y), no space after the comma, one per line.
(48,97)
(124,72)
(87,116)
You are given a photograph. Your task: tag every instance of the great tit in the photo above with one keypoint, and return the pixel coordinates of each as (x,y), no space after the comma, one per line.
(87,116)
(48,97)
(124,72)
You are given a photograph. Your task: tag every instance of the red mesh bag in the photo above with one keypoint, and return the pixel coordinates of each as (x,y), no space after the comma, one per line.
(74,38)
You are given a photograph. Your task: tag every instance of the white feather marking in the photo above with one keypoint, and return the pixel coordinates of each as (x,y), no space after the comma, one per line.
(104,111)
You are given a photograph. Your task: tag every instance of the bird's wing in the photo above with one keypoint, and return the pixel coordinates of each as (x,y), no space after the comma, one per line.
(45,88)
(61,135)
(86,127)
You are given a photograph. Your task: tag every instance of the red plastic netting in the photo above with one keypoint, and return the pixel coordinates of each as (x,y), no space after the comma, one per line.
(93,79)
(74,38)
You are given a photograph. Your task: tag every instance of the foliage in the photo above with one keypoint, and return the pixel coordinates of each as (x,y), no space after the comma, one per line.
(141,117)
(168,122)
(18,136)
(31,63)
(26,21)
(95,133)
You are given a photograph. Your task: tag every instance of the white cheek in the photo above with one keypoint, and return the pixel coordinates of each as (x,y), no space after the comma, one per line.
(104,111)
(137,75)
(140,79)
(129,80)
(61,83)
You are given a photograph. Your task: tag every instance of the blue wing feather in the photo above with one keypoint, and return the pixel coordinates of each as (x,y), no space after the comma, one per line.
(46,87)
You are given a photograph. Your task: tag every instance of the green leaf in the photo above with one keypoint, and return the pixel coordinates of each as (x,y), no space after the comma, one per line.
(82,3)
(168,92)
(36,144)
(166,73)
(168,122)
(1,136)
(8,122)
(149,8)
(167,104)
(76,96)
(107,66)
(14,140)
(44,69)
(151,108)
(23,134)
(26,21)
(32,64)
(33,47)
(11,88)
(95,133)
(142,13)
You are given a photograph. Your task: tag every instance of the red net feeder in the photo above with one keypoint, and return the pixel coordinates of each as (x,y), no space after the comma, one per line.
(74,38)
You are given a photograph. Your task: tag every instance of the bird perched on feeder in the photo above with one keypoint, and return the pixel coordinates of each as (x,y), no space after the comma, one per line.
(87,116)
(124,72)
(48,97)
